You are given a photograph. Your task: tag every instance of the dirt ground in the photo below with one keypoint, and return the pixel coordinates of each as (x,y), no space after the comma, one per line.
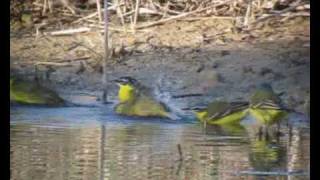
(206,56)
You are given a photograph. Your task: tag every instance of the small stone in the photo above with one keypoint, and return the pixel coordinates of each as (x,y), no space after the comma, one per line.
(248,69)
(80,53)
(298,62)
(99,69)
(220,41)
(264,71)
(117,51)
(166,49)
(129,49)
(306,45)
(130,41)
(154,42)
(73,80)
(197,50)
(186,50)
(215,65)
(225,53)
(131,62)
(270,38)
(200,68)
(278,76)
(81,68)
(143,47)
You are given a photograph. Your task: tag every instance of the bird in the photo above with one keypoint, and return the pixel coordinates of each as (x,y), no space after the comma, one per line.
(266,106)
(221,112)
(129,88)
(136,99)
(32,93)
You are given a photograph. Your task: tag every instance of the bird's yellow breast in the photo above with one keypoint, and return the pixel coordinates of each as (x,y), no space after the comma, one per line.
(126,93)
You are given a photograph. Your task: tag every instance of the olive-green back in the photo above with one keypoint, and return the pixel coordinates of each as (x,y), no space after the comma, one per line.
(32,93)
(263,95)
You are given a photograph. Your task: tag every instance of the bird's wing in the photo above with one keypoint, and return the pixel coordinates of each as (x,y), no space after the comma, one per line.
(237,106)
(267,104)
(218,115)
(231,108)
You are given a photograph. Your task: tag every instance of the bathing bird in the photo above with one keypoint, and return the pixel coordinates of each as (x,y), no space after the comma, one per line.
(136,99)
(266,106)
(32,93)
(221,112)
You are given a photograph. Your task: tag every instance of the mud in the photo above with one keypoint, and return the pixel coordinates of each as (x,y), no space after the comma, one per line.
(182,57)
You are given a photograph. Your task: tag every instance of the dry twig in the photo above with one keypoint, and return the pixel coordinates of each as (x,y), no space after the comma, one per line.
(68,32)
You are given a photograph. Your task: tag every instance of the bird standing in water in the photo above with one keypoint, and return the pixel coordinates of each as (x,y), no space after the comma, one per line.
(221,112)
(32,93)
(138,100)
(266,107)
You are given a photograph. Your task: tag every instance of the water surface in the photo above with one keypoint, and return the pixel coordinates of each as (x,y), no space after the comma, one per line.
(94,143)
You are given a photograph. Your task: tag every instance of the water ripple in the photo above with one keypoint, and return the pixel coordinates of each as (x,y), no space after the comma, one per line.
(94,143)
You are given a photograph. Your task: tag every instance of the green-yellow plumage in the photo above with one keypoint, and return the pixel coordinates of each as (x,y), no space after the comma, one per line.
(31,93)
(142,106)
(265,105)
(137,100)
(220,112)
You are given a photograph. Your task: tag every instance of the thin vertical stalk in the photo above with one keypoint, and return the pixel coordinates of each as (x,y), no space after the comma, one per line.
(136,13)
(247,16)
(99,11)
(106,50)
(44,10)
(120,14)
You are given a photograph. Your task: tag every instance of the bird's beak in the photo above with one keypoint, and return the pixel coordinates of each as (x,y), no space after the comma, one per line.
(117,81)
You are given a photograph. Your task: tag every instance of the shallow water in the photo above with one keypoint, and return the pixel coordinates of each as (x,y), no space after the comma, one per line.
(94,143)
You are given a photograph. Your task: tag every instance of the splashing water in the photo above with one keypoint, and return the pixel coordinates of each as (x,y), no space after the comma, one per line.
(166,97)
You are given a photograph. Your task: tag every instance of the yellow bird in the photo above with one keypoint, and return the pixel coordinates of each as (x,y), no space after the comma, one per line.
(138,100)
(32,93)
(221,112)
(265,105)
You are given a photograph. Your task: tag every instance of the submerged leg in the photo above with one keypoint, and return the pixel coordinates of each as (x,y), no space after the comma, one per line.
(260,132)
(278,133)
(290,135)
(205,125)
(266,133)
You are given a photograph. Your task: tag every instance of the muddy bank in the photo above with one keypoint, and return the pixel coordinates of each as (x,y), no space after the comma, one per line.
(176,58)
